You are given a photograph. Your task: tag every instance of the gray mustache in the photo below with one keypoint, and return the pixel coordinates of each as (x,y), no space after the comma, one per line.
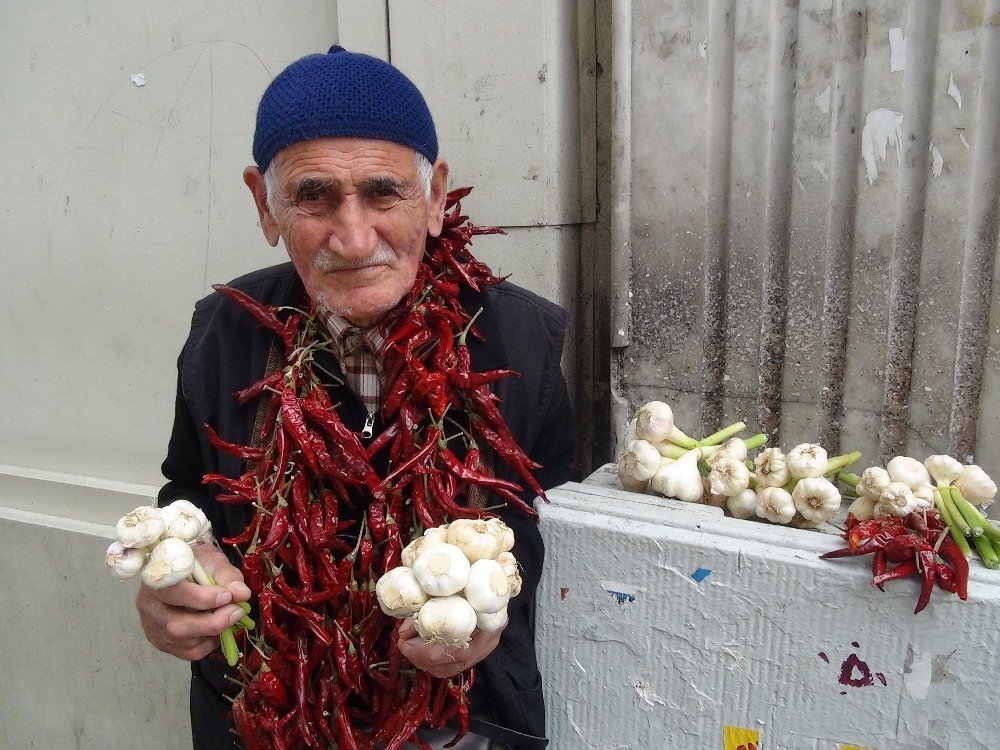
(327,261)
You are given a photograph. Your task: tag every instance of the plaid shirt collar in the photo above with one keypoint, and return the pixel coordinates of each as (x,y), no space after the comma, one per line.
(359,351)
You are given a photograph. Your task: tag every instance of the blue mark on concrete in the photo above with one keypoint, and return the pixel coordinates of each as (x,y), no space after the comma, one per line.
(701,574)
(621,597)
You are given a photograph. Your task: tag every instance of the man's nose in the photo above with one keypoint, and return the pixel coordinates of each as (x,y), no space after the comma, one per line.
(355,237)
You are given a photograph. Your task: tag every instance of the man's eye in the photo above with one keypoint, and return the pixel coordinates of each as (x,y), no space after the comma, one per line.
(309,196)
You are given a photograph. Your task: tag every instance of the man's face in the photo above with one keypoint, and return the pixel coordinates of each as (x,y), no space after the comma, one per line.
(354,219)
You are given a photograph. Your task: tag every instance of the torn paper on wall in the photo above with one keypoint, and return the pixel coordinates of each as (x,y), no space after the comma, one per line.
(953,91)
(823,101)
(897,50)
(138,79)
(937,163)
(883,128)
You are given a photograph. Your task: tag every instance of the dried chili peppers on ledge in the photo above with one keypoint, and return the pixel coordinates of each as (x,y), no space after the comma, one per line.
(916,544)
(323,665)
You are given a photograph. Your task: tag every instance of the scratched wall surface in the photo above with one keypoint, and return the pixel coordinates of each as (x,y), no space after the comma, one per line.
(679,622)
(814,208)
(126,131)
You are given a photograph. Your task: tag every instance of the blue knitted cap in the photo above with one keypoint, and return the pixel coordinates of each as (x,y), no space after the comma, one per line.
(342,93)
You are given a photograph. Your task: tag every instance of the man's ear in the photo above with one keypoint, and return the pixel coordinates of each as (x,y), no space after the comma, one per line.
(255,181)
(439,191)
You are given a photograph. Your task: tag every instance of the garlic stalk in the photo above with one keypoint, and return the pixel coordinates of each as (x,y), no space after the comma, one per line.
(723,435)
(729,476)
(125,562)
(398,592)
(976,485)
(488,589)
(141,527)
(909,471)
(775,504)
(771,468)
(807,460)
(640,460)
(428,539)
(943,468)
(442,570)
(475,538)
(680,479)
(171,561)
(446,620)
(816,499)
(491,623)
(742,505)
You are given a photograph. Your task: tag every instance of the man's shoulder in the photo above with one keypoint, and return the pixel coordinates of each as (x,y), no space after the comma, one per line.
(511,300)
(268,285)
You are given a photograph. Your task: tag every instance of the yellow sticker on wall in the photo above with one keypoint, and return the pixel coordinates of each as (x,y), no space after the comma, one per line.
(738,738)
(853,747)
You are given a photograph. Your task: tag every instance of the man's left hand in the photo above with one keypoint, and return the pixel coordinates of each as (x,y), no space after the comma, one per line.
(445,661)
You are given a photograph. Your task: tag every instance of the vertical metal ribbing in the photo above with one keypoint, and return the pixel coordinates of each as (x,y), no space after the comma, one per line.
(777,213)
(845,137)
(715,264)
(904,271)
(980,246)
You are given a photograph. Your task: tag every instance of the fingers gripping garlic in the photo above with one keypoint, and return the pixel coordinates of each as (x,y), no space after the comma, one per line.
(140,527)
(943,468)
(640,460)
(775,504)
(729,476)
(896,500)
(680,479)
(771,468)
(873,480)
(475,538)
(807,460)
(976,485)
(488,589)
(816,499)
(742,505)
(125,562)
(446,620)
(442,570)
(398,593)
(909,471)
(170,562)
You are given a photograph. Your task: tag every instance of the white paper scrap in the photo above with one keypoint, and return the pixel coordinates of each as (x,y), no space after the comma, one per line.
(953,91)
(938,161)
(823,101)
(883,128)
(897,50)
(138,79)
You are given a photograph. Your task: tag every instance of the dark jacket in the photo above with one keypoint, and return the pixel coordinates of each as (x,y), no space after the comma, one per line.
(226,351)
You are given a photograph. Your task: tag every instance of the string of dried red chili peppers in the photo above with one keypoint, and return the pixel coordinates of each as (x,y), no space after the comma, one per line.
(323,668)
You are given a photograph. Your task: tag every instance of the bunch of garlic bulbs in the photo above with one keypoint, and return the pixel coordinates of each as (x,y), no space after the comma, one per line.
(454,579)
(791,489)
(155,544)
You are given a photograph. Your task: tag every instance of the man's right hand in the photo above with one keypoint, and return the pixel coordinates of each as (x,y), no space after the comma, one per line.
(187,618)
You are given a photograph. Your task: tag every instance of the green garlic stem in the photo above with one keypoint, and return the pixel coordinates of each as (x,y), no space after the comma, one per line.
(985,549)
(851,480)
(956,517)
(724,434)
(981,521)
(202,576)
(953,529)
(246,622)
(757,441)
(967,511)
(679,437)
(229,647)
(842,461)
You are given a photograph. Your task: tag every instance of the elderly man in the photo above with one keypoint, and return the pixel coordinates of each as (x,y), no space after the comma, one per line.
(348,177)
